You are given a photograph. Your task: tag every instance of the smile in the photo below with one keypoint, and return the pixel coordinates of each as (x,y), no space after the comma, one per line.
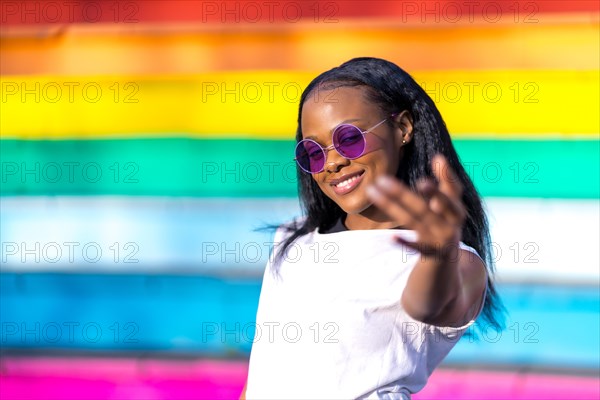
(347,183)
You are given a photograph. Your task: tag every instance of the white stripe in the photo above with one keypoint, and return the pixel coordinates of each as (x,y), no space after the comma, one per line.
(534,239)
(546,239)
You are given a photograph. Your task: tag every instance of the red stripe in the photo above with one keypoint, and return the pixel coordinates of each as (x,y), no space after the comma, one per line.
(267,11)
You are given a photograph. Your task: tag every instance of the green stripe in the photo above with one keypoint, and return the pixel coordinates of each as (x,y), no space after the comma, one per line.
(264,168)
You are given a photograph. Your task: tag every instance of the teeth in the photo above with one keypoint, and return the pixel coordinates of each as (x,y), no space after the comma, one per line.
(347,182)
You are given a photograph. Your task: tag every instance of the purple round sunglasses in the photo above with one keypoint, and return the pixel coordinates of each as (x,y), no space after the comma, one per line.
(348,140)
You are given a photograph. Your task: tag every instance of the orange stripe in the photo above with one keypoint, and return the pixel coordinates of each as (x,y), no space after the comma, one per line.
(79,50)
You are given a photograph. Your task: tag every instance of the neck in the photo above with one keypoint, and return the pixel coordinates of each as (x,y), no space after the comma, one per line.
(371,219)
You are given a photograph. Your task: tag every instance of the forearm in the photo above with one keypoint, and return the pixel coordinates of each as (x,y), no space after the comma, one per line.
(433,286)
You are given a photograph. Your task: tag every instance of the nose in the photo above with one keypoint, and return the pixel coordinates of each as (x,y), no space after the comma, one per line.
(335,161)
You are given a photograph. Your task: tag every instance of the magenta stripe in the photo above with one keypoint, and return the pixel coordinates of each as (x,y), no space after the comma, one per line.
(95,378)
(456,384)
(86,379)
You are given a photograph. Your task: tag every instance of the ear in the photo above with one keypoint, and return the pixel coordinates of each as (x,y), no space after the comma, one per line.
(404,127)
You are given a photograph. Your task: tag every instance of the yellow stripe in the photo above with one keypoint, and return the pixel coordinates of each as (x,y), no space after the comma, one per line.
(264,104)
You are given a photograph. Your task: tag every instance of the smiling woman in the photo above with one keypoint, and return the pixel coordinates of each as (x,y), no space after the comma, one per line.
(376,153)
(391,260)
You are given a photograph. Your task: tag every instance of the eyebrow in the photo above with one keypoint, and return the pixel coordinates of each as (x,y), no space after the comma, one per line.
(331,131)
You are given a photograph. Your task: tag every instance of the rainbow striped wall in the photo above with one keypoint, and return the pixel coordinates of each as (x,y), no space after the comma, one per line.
(146,141)
(171,108)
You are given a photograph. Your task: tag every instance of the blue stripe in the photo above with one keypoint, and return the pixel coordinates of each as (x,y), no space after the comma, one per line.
(555,326)
(548,326)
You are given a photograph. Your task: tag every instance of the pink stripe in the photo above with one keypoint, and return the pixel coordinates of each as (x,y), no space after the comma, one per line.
(95,378)
(457,384)
(85,379)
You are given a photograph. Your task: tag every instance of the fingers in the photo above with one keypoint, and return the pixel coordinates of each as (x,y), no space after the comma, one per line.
(396,190)
(435,209)
(448,198)
(449,184)
(408,208)
(403,205)
(426,206)
(451,210)
(390,205)
(435,217)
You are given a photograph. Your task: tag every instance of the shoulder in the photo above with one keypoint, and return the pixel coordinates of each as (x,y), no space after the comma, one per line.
(468,303)
(474,278)
(473,270)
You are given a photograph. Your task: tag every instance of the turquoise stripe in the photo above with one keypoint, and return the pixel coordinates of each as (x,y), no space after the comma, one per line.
(547,169)
(264,168)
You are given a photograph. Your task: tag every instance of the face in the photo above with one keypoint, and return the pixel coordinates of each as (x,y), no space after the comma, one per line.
(343,180)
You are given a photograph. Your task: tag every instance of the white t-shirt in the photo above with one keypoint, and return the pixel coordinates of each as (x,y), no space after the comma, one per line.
(330,324)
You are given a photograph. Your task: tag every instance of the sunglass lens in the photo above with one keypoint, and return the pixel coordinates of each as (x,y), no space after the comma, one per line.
(310,156)
(349,141)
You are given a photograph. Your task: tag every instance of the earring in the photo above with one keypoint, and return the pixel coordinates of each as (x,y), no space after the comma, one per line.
(403,141)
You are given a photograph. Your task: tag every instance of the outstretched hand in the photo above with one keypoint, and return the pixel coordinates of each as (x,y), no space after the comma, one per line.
(435,211)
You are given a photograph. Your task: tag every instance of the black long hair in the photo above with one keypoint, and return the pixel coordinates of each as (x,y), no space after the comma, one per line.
(394,90)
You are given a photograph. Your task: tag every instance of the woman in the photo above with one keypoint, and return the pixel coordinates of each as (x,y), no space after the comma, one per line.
(370,290)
